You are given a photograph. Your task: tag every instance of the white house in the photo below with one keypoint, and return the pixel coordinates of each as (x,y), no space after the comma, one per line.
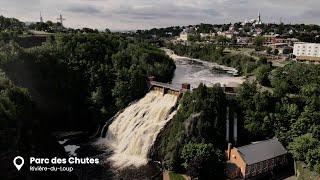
(183,36)
(186,32)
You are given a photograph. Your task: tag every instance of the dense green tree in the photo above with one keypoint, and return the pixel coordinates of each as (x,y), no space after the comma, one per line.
(203,160)
(313,159)
(11,24)
(15,103)
(300,146)
(292,77)
(256,107)
(269,49)
(258,42)
(223,40)
(194,37)
(262,74)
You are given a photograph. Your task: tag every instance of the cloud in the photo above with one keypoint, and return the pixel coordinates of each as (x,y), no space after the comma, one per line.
(86,9)
(140,14)
(311,13)
(163,11)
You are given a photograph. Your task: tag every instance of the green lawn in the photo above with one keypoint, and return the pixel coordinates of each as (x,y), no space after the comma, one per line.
(304,172)
(244,51)
(174,176)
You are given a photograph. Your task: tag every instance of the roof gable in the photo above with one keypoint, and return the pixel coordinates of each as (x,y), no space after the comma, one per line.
(262,150)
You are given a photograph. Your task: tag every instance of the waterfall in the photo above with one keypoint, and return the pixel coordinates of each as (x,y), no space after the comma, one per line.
(134,130)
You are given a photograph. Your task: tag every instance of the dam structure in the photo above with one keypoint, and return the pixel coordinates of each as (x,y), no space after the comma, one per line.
(134,130)
(167,88)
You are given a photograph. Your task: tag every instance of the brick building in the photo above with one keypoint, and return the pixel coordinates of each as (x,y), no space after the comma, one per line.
(255,159)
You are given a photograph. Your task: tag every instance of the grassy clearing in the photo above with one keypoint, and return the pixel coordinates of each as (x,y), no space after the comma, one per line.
(175,176)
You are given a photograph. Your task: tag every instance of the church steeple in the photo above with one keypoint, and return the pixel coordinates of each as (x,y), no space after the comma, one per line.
(259,18)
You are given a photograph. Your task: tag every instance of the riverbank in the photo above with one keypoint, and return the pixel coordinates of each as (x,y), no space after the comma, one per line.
(175,57)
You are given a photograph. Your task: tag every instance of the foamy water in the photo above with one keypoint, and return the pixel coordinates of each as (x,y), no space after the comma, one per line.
(196,71)
(133,132)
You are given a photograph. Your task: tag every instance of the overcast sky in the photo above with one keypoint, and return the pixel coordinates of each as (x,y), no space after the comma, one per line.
(145,14)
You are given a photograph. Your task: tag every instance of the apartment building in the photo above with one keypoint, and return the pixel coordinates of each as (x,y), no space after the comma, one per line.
(307,51)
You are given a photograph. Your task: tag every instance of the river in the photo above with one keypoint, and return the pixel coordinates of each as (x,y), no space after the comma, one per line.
(196,71)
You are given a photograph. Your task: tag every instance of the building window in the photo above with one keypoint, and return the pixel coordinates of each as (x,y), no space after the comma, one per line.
(283,159)
(259,167)
(265,166)
(248,171)
(252,169)
(272,163)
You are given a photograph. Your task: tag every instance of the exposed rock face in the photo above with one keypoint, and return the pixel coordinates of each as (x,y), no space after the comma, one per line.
(191,122)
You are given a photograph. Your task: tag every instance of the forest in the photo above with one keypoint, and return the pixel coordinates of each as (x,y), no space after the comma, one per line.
(82,79)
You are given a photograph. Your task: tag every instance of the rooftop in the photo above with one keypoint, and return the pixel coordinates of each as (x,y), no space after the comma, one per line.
(306,43)
(262,150)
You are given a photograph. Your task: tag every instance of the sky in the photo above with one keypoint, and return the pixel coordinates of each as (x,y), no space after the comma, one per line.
(146,14)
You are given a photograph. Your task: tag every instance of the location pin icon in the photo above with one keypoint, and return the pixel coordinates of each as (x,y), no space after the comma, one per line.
(19,164)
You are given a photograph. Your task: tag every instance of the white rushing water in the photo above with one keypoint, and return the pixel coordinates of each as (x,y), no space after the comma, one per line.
(133,132)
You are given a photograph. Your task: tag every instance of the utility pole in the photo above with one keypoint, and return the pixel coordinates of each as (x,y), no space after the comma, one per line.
(41,19)
(61,19)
